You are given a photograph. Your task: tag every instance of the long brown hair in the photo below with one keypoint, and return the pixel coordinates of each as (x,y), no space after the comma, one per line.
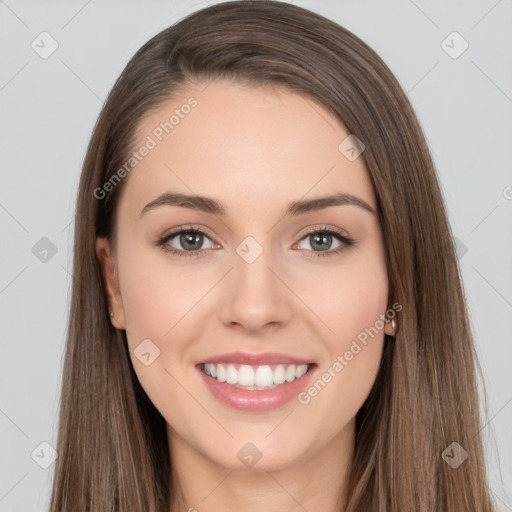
(112,443)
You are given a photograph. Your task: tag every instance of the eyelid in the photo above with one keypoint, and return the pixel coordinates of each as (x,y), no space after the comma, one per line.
(187,227)
(313,228)
(345,240)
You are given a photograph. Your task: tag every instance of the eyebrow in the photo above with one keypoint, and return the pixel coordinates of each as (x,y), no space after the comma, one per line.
(209,205)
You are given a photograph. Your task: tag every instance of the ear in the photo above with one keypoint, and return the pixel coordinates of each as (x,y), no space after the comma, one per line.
(108,269)
(389,329)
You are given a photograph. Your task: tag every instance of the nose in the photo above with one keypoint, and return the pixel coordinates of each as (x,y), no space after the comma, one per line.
(255,296)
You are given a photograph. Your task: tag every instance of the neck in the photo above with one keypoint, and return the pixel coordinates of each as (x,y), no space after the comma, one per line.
(318,482)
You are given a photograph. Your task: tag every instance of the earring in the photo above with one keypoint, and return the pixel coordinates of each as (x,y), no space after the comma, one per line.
(393,323)
(111,314)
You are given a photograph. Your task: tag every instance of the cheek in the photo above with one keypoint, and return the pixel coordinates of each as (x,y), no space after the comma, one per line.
(352,307)
(360,324)
(347,298)
(159,306)
(361,299)
(156,294)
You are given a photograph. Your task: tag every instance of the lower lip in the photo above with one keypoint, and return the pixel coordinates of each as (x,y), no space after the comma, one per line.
(256,400)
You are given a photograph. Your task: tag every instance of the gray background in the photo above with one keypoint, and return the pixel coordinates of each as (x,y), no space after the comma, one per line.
(48,109)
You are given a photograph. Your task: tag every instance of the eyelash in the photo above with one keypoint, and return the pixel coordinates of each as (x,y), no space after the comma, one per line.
(162,242)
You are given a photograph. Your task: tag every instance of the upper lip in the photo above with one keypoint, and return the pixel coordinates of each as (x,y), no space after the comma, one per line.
(255,359)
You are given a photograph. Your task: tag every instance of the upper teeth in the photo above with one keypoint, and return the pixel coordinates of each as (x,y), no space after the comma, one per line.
(255,376)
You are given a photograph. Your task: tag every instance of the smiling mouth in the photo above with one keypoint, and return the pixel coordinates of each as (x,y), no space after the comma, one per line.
(255,377)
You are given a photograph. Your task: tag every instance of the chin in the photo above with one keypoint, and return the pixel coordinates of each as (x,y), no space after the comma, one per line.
(254,456)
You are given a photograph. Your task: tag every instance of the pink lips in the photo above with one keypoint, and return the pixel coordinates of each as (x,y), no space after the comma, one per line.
(255,359)
(256,400)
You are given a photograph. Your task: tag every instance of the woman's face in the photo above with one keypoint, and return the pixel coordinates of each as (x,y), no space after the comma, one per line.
(274,288)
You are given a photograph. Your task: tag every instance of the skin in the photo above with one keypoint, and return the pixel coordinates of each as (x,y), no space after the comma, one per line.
(255,150)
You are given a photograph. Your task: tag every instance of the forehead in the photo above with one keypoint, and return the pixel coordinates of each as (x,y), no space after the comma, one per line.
(246,145)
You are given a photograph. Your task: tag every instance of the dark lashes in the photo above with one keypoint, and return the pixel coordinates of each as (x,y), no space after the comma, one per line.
(345,240)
